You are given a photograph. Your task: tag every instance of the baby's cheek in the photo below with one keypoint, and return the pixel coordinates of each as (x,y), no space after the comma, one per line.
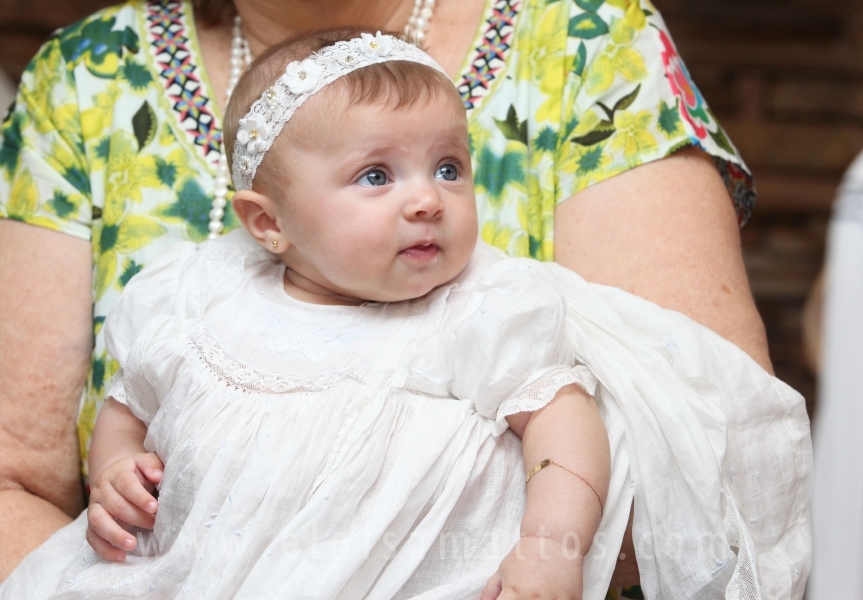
(356,259)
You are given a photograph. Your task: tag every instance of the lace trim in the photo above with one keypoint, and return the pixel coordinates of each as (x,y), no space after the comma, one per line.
(238,374)
(116,388)
(421,381)
(744,583)
(541,391)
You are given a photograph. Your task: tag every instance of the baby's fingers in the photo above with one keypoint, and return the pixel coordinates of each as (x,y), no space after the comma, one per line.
(493,587)
(103,534)
(120,505)
(150,465)
(142,501)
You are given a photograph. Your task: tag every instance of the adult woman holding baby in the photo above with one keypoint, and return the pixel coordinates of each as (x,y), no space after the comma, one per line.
(588,142)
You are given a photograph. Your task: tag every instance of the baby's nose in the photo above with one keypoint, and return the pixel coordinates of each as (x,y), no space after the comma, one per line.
(426,204)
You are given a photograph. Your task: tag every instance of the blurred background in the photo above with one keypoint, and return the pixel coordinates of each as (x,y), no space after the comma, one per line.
(785,78)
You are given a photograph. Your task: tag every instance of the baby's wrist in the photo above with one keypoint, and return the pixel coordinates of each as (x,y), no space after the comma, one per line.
(572,542)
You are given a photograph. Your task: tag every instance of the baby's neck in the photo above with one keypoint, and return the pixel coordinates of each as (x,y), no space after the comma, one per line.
(305,290)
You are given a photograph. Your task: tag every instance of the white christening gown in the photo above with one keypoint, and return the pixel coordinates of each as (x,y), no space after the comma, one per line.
(361,452)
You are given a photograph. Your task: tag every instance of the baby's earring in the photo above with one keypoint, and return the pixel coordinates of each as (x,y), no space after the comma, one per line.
(275,244)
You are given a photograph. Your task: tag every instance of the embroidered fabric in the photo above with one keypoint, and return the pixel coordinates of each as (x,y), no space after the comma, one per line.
(541,391)
(364,409)
(220,273)
(311,341)
(236,373)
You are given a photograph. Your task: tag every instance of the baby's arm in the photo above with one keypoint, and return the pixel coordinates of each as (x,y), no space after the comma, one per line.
(563,511)
(123,477)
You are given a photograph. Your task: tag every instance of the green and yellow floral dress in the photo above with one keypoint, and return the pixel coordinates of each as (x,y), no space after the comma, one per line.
(114,135)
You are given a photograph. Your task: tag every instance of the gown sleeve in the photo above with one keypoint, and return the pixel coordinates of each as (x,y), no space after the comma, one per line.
(181,284)
(511,352)
(151,293)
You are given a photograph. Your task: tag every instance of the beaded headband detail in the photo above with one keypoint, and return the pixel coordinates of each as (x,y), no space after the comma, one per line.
(302,79)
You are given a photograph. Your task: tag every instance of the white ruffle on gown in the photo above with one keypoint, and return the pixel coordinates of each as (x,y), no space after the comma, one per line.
(361,452)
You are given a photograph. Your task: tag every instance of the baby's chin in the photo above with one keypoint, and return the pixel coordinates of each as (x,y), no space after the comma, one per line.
(405,293)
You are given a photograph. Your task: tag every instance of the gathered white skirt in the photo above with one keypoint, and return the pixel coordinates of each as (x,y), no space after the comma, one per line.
(261,500)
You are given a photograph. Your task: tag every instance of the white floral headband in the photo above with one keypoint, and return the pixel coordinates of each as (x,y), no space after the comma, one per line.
(268,115)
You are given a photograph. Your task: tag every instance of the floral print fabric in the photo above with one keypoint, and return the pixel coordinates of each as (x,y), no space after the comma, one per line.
(114,135)
(591,88)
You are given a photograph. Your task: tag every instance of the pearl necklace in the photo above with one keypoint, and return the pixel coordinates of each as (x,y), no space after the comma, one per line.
(241,57)
(418,25)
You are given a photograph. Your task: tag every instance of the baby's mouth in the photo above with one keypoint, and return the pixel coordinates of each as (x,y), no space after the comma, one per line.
(421,251)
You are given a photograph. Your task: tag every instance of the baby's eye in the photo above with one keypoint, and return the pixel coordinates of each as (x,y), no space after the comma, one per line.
(374,177)
(448,172)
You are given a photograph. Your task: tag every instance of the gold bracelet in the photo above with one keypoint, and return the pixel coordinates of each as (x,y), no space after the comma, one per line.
(547,462)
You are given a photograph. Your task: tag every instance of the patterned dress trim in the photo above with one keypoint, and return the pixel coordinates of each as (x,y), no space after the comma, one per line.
(740,185)
(490,52)
(172,49)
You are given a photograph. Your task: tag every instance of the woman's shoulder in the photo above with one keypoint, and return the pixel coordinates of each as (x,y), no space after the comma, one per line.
(124,44)
(589,89)
(100,40)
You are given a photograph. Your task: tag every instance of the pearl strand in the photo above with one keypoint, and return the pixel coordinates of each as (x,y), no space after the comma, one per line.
(241,57)
(420,20)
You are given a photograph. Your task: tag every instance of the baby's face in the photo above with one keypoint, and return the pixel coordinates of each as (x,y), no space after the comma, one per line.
(379,202)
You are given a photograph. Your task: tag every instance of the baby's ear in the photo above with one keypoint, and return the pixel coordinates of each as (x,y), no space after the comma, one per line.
(257,214)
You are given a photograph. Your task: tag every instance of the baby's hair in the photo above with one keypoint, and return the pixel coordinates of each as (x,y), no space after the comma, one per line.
(397,84)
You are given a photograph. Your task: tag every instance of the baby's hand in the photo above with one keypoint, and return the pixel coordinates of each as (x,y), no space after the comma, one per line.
(122,492)
(538,567)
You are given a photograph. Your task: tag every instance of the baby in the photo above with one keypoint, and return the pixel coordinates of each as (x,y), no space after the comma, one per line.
(322,399)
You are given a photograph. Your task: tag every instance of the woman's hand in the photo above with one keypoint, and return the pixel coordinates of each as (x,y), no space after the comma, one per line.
(123,492)
(537,567)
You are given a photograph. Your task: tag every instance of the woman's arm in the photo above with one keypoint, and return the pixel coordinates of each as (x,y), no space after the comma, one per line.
(667,232)
(46,334)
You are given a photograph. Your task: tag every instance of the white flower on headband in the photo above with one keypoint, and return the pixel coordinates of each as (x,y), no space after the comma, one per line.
(376,45)
(302,77)
(254,133)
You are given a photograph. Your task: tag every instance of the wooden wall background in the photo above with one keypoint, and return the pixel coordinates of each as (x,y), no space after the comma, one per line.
(785,77)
